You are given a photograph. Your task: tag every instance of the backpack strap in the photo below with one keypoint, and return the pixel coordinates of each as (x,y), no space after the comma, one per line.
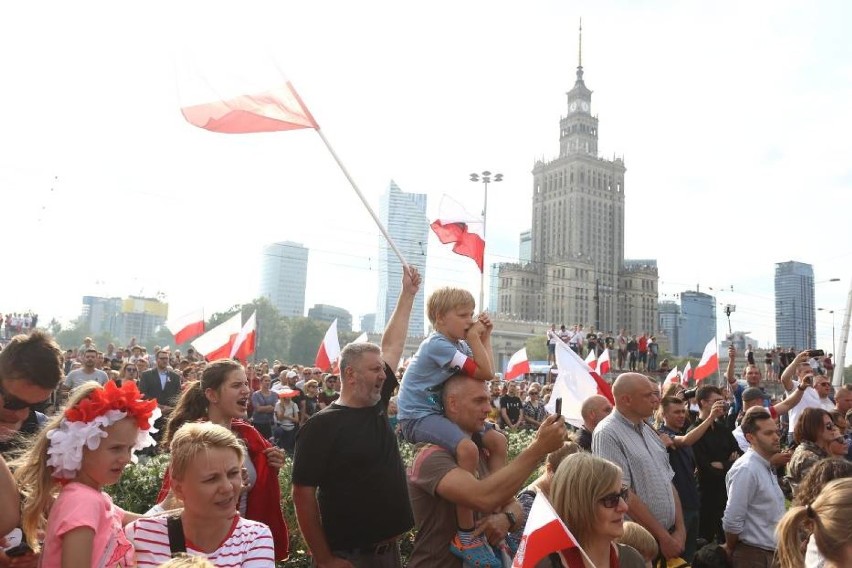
(177,542)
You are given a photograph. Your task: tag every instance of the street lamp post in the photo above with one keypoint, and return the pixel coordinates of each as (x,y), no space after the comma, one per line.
(485,178)
(833,344)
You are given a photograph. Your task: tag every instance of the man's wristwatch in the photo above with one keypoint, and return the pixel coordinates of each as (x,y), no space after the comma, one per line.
(511,518)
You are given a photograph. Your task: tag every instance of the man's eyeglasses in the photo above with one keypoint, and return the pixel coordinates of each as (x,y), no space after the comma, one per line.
(11,402)
(317,373)
(611,501)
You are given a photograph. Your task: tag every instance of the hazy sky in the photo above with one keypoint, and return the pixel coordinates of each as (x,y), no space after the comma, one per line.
(733,119)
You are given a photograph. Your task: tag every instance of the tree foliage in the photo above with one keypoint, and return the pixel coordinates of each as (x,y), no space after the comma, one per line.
(536,348)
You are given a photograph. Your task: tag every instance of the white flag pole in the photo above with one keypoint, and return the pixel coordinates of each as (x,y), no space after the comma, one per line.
(840,355)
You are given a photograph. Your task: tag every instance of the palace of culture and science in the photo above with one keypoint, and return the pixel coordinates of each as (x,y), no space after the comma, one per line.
(578,273)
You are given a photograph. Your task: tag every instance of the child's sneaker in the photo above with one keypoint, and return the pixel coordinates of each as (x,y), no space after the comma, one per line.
(476,554)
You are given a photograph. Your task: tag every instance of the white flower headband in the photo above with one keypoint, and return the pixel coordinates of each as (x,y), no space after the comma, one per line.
(83,425)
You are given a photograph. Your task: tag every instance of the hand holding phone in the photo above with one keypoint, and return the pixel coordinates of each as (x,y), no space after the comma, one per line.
(559,406)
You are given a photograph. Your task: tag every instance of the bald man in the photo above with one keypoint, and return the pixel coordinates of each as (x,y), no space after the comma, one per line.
(625,439)
(594,409)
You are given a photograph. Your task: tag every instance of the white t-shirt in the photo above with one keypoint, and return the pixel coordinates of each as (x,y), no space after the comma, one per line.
(810,399)
(289,410)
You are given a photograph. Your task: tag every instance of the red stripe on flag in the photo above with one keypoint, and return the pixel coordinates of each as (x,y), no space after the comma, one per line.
(466,244)
(189,332)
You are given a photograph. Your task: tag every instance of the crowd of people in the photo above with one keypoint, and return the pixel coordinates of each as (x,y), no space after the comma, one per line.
(628,351)
(692,476)
(14,323)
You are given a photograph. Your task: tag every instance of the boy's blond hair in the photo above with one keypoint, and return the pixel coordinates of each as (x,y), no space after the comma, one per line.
(638,537)
(446,299)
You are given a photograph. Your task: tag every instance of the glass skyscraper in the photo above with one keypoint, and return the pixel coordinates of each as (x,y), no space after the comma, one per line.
(795,316)
(404,216)
(284,277)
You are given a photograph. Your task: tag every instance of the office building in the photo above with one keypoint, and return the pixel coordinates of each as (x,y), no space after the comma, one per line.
(698,316)
(284,277)
(124,318)
(368,323)
(525,247)
(404,216)
(670,324)
(327,314)
(795,314)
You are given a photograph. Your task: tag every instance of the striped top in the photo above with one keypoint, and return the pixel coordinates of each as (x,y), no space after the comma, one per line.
(249,544)
(643,459)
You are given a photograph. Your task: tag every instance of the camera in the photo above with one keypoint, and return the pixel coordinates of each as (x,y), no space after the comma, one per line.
(689,393)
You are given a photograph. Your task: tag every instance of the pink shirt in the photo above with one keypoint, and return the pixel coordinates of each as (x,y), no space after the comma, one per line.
(79,505)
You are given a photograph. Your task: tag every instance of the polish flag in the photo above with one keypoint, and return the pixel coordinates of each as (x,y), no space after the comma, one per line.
(233,85)
(603,362)
(329,349)
(671,379)
(361,338)
(467,231)
(218,342)
(518,365)
(592,361)
(686,374)
(574,383)
(544,534)
(187,326)
(245,343)
(709,363)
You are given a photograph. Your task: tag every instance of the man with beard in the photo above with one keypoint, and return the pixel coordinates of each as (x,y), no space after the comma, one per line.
(89,372)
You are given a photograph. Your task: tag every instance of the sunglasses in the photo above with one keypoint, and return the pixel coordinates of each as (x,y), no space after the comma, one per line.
(11,402)
(829,426)
(611,501)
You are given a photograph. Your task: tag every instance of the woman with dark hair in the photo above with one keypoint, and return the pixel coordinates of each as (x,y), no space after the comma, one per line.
(221,397)
(813,433)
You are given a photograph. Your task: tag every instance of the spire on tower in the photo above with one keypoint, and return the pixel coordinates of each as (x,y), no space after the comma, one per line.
(580,55)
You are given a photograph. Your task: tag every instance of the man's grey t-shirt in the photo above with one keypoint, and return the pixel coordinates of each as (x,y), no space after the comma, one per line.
(78,376)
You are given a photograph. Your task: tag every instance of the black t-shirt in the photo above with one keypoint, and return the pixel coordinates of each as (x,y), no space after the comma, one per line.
(351,456)
(513,405)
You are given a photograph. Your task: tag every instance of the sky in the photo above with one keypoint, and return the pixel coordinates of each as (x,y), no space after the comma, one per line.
(732,119)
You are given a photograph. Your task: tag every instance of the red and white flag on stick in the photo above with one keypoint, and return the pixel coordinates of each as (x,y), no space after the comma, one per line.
(574,383)
(603,362)
(518,365)
(187,326)
(329,349)
(671,379)
(218,342)
(232,85)
(245,343)
(544,534)
(465,230)
(709,363)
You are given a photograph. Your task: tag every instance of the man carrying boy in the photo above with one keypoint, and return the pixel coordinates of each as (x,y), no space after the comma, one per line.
(459,344)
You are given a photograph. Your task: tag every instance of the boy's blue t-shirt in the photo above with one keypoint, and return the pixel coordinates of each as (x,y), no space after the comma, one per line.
(437,359)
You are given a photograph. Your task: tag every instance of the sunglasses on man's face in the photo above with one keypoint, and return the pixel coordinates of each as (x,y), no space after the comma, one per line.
(611,501)
(11,402)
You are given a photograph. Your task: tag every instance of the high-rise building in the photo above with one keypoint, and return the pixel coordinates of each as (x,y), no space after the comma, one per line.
(404,216)
(284,277)
(368,323)
(795,315)
(578,273)
(327,314)
(698,314)
(670,324)
(123,319)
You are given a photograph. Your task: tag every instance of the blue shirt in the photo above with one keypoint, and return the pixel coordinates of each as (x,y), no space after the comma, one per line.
(437,359)
(682,461)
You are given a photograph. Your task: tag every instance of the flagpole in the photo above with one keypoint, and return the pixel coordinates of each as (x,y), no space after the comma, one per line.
(485,177)
(363,199)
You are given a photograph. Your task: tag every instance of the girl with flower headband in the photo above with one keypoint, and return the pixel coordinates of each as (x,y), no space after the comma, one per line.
(80,451)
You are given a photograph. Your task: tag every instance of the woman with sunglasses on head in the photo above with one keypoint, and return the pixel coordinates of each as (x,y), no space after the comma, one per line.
(587,493)
(813,433)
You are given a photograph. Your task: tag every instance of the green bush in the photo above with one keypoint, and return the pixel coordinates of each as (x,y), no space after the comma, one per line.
(139,485)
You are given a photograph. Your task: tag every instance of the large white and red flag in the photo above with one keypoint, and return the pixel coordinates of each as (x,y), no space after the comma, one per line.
(217,343)
(329,349)
(709,363)
(246,341)
(574,383)
(187,326)
(518,365)
(544,534)
(467,231)
(603,362)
